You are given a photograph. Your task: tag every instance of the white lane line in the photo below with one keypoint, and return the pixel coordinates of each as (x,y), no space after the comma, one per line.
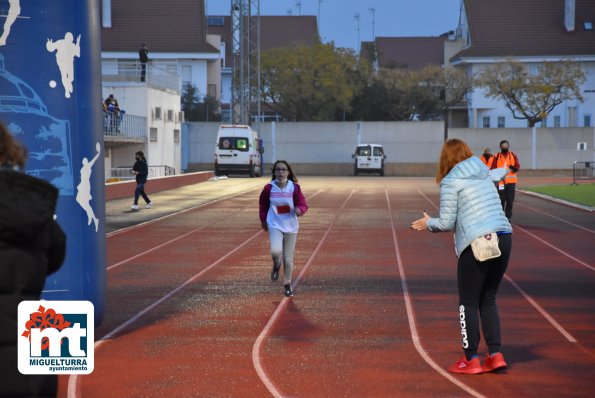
(256,348)
(531,301)
(543,312)
(73,390)
(556,218)
(411,317)
(555,248)
(155,248)
(169,215)
(72,382)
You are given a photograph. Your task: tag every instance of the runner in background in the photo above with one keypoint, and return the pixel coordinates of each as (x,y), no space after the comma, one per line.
(281,203)
(469,205)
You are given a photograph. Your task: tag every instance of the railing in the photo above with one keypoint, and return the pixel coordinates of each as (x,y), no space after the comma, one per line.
(131,71)
(119,124)
(583,171)
(124,173)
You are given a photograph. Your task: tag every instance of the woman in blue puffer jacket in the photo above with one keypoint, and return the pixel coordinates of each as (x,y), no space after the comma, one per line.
(469,204)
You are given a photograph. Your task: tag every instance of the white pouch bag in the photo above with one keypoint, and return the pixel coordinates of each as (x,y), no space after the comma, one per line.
(486,247)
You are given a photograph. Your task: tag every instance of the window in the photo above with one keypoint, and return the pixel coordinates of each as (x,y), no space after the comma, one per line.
(501,122)
(363,150)
(157,113)
(486,122)
(186,75)
(378,151)
(215,21)
(212,90)
(231,143)
(556,121)
(587,120)
(544,122)
(181,116)
(170,115)
(176,135)
(153,134)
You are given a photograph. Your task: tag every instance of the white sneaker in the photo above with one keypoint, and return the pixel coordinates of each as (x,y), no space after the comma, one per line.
(134,207)
(149,205)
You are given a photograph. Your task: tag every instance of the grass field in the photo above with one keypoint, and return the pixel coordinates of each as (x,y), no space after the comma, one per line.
(582,194)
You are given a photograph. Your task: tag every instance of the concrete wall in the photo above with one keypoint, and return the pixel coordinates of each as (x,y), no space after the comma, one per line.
(412,148)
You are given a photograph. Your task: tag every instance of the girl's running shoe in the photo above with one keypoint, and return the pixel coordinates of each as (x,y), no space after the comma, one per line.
(463,366)
(494,362)
(288,292)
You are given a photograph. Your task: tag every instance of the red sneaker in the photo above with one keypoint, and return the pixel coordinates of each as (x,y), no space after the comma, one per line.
(494,362)
(471,367)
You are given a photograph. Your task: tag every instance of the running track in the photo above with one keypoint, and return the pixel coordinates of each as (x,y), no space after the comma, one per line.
(192,312)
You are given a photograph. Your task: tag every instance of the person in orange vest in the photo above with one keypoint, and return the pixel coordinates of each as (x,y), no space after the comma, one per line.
(487,157)
(506,189)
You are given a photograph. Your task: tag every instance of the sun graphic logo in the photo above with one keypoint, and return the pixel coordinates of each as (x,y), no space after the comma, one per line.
(56,337)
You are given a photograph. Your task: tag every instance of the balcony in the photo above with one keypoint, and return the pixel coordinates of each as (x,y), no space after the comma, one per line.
(120,127)
(127,71)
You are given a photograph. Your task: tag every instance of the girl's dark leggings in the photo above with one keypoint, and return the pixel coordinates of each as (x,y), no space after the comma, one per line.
(478,285)
(140,191)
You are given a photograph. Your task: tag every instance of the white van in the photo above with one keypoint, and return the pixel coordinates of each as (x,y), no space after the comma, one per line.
(369,158)
(238,150)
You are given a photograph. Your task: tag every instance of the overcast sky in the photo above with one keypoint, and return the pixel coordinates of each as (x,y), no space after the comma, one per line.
(338,22)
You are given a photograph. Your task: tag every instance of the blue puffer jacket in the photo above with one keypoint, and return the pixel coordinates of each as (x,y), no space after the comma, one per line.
(469,203)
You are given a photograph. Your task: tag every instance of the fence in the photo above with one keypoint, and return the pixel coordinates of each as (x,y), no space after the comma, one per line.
(119,124)
(583,171)
(123,173)
(131,71)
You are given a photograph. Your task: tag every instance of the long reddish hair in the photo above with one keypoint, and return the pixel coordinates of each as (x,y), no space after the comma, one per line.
(12,153)
(453,152)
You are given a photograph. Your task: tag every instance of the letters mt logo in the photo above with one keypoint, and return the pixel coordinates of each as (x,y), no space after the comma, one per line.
(56,337)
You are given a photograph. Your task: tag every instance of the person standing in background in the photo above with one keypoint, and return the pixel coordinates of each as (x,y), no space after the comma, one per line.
(487,158)
(141,170)
(506,189)
(143,55)
(32,246)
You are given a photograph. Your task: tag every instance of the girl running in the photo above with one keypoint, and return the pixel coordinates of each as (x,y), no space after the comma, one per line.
(281,203)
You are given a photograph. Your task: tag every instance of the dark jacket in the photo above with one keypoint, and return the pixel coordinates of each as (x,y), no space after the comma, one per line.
(143,170)
(143,55)
(32,246)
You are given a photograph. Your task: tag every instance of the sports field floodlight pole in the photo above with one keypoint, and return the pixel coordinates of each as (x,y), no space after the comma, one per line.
(373,12)
(356,17)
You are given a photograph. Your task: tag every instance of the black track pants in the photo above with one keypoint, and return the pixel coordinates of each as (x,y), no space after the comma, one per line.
(478,285)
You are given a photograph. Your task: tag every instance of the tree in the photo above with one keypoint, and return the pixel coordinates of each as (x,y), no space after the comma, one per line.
(403,94)
(196,110)
(532,96)
(307,82)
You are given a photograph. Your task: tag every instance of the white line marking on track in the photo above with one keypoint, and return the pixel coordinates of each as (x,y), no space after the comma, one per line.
(169,215)
(156,247)
(73,379)
(555,248)
(555,217)
(262,374)
(542,311)
(411,317)
(531,301)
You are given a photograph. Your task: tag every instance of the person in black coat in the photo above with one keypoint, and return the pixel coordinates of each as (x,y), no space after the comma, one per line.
(143,56)
(141,170)
(32,246)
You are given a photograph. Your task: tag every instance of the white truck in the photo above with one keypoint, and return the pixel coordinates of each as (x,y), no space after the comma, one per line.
(238,151)
(369,158)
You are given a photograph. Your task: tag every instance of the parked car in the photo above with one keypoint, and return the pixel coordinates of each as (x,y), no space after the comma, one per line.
(368,158)
(238,150)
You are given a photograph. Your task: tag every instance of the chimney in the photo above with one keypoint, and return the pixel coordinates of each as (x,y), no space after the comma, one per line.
(107,13)
(569,11)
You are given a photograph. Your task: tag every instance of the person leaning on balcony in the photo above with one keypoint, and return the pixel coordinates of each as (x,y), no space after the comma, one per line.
(113,112)
(506,189)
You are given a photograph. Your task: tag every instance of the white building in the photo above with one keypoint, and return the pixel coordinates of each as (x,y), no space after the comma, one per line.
(553,30)
(180,53)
